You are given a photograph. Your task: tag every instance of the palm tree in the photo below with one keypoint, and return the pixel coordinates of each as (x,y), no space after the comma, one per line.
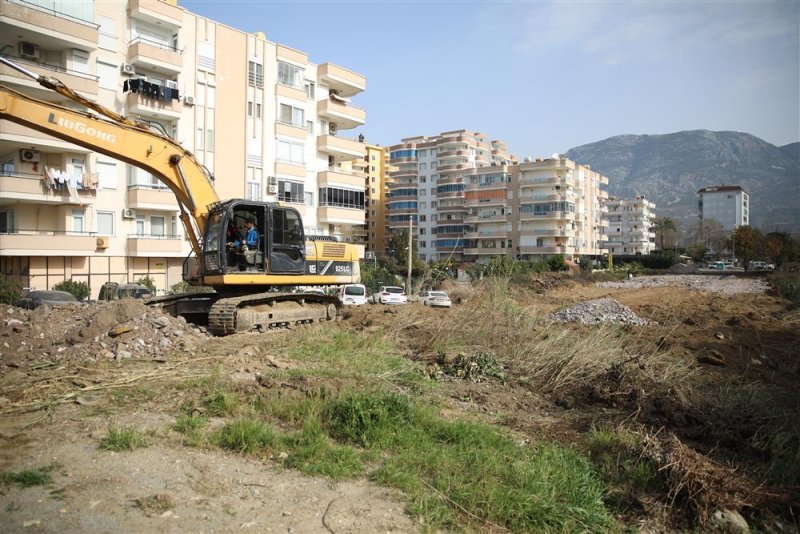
(663,225)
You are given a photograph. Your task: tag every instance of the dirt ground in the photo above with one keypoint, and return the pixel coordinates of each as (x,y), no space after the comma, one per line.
(59,370)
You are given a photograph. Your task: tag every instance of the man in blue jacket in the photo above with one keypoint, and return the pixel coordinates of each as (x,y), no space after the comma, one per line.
(250,239)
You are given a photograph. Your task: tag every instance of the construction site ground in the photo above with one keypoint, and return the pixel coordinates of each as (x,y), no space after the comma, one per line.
(67,375)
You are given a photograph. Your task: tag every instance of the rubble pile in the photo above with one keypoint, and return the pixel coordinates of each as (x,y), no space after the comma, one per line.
(599,311)
(726,284)
(110,330)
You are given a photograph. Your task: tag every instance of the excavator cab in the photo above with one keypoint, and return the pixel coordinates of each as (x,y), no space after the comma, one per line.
(254,238)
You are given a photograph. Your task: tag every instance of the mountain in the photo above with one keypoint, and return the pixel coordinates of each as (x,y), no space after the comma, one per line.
(669,169)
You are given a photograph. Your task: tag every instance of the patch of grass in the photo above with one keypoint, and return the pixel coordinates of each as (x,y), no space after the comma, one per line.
(353,355)
(29,477)
(368,420)
(313,452)
(245,435)
(222,403)
(617,453)
(190,425)
(155,504)
(123,439)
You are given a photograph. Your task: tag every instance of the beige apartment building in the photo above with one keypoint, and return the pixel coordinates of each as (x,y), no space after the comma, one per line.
(477,201)
(267,122)
(630,225)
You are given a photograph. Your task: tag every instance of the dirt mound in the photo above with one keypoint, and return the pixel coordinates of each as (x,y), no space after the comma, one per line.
(121,329)
(599,311)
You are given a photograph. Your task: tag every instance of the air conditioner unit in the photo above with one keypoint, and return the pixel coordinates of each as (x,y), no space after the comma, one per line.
(272,180)
(128,213)
(332,128)
(272,189)
(188,100)
(102,242)
(28,50)
(128,69)
(29,155)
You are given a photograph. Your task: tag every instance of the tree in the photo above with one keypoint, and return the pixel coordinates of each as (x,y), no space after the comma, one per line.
(80,290)
(398,254)
(746,243)
(712,234)
(148,282)
(697,251)
(666,232)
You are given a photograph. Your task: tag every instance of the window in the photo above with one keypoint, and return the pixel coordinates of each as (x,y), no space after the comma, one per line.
(255,74)
(7,225)
(253,190)
(291,115)
(78,168)
(140,225)
(258,111)
(80,61)
(108,174)
(77,221)
(341,198)
(108,33)
(173,226)
(206,55)
(290,152)
(199,141)
(249,109)
(105,223)
(210,140)
(107,75)
(310,90)
(157,228)
(291,191)
(290,75)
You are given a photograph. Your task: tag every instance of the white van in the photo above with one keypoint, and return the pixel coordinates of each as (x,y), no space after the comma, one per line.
(353,294)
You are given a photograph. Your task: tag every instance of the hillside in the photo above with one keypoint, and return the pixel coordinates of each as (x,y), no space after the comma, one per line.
(669,169)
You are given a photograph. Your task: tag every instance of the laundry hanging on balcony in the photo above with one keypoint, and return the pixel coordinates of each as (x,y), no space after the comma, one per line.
(57,180)
(151,90)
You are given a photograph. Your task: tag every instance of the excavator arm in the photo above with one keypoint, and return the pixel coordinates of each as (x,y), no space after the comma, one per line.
(120,138)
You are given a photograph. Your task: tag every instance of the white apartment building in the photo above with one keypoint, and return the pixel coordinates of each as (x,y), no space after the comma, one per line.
(727,204)
(266,121)
(427,185)
(630,225)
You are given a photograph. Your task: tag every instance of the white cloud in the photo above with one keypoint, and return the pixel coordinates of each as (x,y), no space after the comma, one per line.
(615,32)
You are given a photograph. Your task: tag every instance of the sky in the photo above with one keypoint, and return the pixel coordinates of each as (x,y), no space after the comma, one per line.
(548,76)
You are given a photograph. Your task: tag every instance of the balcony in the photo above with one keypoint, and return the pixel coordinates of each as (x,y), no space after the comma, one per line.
(152,245)
(477,202)
(85,84)
(552,215)
(336,177)
(476,219)
(339,215)
(22,187)
(151,198)
(551,249)
(341,148)
(347,83)
(47,243)
(487,234)
(547,232)
(157,12)
(139,104)
(49,27)
(155,55)
(345,116)
(487,251)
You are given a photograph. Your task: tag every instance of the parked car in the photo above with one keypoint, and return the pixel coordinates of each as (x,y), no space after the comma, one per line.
(353,294)
(390,295)
(115,291)
(34,299)
(760,266)
(435,299)
(315,290)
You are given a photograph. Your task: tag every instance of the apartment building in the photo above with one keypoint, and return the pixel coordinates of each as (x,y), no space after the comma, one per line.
(630,225)
(428,186)
(267,122)
(727,204)
(377,189)
(560,209)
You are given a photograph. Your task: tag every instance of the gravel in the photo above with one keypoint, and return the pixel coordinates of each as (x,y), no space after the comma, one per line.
(726,284)
(599,311)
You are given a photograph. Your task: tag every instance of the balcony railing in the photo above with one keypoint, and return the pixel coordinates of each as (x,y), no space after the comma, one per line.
(56,13)
(34,187)
(48,242)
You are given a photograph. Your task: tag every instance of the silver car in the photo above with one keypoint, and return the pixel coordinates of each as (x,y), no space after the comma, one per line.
(34,299)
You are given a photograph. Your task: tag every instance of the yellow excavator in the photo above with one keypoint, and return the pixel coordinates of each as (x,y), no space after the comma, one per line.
(247,272)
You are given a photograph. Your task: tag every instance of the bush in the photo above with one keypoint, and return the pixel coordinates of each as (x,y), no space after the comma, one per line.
(148,282)
(184,287)
(665,260)
(557,263)
(787,285)
(10,291)
(79,290)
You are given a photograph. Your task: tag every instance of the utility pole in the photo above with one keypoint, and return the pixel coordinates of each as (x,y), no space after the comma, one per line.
(410,229)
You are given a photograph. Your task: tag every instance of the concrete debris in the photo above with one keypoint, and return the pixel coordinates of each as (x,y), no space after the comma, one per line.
(726,284)
(118,330)
(599,311)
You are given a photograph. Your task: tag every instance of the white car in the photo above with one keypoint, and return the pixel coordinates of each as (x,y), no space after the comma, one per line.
(391,295)
(435,299)
(353,294)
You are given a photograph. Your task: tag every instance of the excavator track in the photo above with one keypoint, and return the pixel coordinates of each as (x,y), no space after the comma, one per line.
(266,311)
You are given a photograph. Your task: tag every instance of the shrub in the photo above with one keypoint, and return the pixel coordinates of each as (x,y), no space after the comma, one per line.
(787,285)
(148,282)
(80,290)
(123,439)
(10,291)
(557,263)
